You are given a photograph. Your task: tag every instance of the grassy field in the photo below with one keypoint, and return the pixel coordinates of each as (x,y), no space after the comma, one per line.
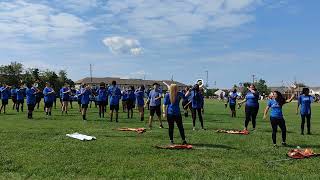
(38,148)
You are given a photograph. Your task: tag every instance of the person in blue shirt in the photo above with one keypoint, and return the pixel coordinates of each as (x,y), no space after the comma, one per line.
(49,94)
(232,101)
(154,101)
(171,110)
(130,101)
(252,106)
(102,94)
(31,99)
(186,103)
(140,94)
(5,94)
(78,94)
(276,116)
(304,104)
(85,99)
(65,92)
(124,93)
(197,101)
(20,97)
(115,95)
(14,97)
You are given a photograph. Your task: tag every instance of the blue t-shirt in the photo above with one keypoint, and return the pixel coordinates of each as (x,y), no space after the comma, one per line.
(20,94)
(140,97)
(131,95)
(102,94)
(5,93)
(124,96)
(48,95)
(14,93)
(305,104)
(196,99)
(233,99)
(85,96)
(31,97)
(152,97)
(65,93)
(115,95)
(276,109)
(78,94)
(252,99)
(173,109)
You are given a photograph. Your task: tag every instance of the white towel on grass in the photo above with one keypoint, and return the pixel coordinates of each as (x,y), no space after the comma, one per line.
(81,137)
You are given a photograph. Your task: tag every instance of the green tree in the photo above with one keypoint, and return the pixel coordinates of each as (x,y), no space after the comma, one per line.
(12,72)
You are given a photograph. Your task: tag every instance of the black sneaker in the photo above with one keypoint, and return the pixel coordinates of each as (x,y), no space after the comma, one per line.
(171,142)
(161,127)
(284,144)
(184,142)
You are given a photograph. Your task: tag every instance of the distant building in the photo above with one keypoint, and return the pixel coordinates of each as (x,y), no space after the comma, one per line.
(95,81)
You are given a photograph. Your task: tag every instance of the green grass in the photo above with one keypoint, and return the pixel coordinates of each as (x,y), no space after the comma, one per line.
(38,148)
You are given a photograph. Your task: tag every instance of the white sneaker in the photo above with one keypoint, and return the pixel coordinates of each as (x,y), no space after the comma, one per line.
(194,128)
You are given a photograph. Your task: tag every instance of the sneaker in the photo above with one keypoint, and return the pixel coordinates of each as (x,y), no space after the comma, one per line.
(204,129)
(284,144)
(171,142)
(184,142)
(193,128)
(161,127)
(275,145)
(309,133)
(302,133)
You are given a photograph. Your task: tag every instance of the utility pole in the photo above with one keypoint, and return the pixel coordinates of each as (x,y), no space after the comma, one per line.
(172,78)
(207,80)
(253,78)
(91,73)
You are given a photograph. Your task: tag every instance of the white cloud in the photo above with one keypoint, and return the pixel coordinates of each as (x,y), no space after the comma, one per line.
(77,5)
(25,20)
(166,18)
(122,45)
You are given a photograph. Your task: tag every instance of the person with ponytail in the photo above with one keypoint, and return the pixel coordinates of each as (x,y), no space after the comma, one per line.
(197,102)
(276,116)
(304,104)
(252,106)
(171,110)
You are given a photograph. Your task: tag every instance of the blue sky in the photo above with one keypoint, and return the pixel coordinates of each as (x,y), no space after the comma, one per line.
(276,40)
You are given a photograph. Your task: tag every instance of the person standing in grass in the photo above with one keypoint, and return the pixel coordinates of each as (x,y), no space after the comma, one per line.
(140,94)
(115,95)
(31,99)
(186,103)
(85,99)
(252,106)
(276,116)
(154,101)
(20,98)
(197,101)
(78,94)
(130,101)
(304,104)
(65,91)
(102,94)
(232,101)
(124,93)
(5,94)
(14,96)
(171,110)
(49,96)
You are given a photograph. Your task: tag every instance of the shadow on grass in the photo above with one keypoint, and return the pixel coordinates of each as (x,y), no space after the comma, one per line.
(212,146)
(304,146)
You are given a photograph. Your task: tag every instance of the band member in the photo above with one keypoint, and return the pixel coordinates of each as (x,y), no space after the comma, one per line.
(65,98)
(14,97)
(49,96)
(5,94)
(31,99)
(131,101)
(124,99)
(304,104)
(232,100)
(276,116)
(197,101)
(78,94)
(154,100)
(20,98)
(186,103)
(85,98)
(72,94)
(171,110)
(140,94)
(38,98)
(252,106)
(102,93)
(115,96)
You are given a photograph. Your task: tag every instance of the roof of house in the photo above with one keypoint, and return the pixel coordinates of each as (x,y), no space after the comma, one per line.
(135,82)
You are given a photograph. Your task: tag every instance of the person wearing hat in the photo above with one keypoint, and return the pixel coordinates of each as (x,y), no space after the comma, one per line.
(49,94)
(154,99)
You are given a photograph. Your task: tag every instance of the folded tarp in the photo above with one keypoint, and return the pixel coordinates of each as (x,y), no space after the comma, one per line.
(81,137)
(175,147)
(301,153)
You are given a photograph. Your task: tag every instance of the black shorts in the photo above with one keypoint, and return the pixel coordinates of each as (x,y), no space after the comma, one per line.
(130,104)
(84,105)
(31,107)
(48,104)
(38,99)
(21,101)
(102,103)
(124,102)
(4,101)
(155,109)
(65,99)
(232,107)
(79,102)
(14,99)
(114,107)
